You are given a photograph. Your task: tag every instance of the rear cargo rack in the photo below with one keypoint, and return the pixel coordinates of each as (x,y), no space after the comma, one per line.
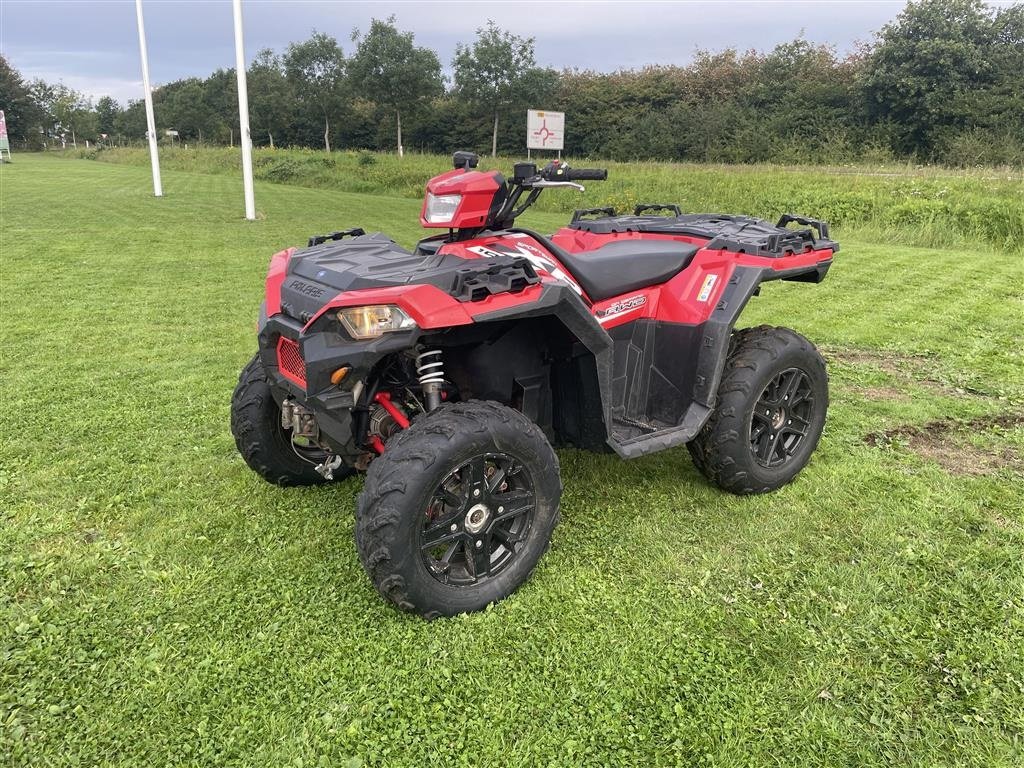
(741,234)
(657,207)
(819,225)
(580,213)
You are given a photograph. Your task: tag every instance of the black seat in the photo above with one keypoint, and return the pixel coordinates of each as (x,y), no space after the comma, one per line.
(626,265)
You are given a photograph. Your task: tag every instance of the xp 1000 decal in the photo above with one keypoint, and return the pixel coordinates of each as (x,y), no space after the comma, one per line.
(621,307)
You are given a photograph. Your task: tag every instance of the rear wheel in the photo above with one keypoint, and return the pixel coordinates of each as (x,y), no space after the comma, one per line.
(458,510)
(265,445)
(769,415)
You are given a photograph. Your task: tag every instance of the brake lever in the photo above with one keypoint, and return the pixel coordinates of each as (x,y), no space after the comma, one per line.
(545,184)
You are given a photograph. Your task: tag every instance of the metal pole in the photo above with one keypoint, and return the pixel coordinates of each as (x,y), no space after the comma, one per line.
(243,115)
(158,189)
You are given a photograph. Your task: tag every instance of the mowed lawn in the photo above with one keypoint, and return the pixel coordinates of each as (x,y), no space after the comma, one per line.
(161,605)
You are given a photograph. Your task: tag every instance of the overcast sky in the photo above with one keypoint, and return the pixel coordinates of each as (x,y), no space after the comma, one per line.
(92,45)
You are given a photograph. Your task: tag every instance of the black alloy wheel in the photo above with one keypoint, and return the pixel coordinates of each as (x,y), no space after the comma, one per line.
(781,418)
(769,412)
(459,508)
(476,521)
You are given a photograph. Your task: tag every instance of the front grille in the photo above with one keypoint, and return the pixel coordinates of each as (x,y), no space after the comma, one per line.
(290,362)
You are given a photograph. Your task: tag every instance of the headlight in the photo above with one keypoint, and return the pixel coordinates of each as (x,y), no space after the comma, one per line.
(373,321)
(441,208)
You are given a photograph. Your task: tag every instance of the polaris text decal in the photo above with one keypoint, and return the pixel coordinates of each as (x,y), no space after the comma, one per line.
(621,307)
(532,255)
(307,289)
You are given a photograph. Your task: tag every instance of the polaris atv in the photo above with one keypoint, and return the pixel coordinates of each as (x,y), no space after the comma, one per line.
(447,373)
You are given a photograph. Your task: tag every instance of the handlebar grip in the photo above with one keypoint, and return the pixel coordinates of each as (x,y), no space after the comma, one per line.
(587,174)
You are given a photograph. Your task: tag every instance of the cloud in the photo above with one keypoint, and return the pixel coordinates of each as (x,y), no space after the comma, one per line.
(95,44)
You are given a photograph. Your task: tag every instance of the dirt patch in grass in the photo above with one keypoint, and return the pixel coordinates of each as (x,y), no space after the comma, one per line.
(892,363)
(883,393)
(906,370)
(948,443)
(1004,522)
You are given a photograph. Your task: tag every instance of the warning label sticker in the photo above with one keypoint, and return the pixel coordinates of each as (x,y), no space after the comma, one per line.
(707,287)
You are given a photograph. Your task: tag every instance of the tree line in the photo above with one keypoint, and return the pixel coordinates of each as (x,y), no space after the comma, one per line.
(941,83)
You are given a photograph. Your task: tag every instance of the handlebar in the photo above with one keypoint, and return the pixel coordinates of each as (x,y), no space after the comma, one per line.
(559,171)
(586,174)
(531,181)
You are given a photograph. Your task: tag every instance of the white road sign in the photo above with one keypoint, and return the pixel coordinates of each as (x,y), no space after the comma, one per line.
(545,130)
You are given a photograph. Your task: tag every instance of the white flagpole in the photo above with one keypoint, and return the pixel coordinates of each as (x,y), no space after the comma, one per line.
(158,189)
(243,115)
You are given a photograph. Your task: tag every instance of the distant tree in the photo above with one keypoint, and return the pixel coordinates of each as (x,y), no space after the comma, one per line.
(107,113)
(85,124)
(605,107)
(23,113)
(43,95)
(497,72)
(927,66)
(131,122)
(1006,94)
(813,75)
(316,71)
(270,96)
(220,98)
(180,106)
(391,70)
(72,113)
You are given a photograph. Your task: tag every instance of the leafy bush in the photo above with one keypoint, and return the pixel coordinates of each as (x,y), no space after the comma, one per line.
(84,153)
(977,147)
(283,170)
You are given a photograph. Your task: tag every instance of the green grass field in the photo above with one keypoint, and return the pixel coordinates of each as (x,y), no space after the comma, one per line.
(163,606)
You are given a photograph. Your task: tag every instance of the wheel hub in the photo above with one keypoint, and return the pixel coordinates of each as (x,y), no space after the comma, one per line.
(778,418)
(477,518)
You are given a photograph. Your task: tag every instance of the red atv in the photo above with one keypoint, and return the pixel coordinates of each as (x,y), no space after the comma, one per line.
(449,372)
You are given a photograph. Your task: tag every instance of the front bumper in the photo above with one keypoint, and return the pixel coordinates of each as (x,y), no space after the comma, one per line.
(322,351)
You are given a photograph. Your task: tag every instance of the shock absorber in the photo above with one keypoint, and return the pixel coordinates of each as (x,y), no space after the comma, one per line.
(430,370)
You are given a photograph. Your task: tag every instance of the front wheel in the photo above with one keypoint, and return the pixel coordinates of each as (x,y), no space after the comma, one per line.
(458,510)
(265,445)
(769,414)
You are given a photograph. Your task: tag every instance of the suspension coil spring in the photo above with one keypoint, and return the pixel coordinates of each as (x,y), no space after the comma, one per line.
(430,370)
(430,367)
